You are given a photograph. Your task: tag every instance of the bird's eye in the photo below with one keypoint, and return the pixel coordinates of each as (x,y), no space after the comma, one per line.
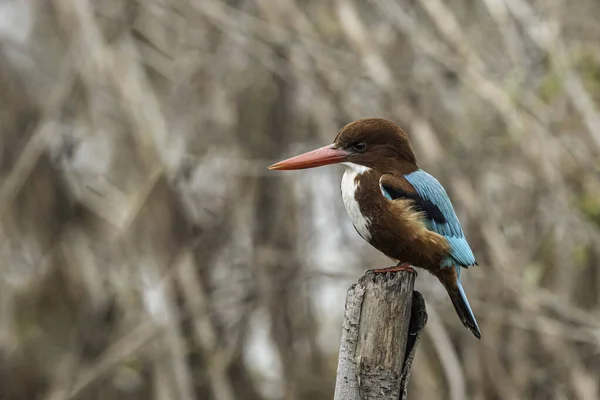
(360,147)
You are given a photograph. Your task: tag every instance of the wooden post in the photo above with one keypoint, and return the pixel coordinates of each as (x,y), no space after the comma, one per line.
(382,324)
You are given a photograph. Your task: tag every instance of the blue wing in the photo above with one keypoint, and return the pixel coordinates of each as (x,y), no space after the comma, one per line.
(431,191)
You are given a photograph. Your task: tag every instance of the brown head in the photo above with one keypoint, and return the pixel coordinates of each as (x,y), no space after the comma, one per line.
(373,142)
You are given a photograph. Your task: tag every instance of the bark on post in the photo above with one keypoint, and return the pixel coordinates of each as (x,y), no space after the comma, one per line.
(382,324)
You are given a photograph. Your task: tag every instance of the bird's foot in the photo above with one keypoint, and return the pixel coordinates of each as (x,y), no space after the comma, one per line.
(400,267)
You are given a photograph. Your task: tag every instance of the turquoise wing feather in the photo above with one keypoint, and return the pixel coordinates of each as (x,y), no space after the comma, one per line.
(430,190)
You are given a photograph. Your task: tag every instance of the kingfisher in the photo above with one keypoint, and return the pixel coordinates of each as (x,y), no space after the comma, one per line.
(395,206)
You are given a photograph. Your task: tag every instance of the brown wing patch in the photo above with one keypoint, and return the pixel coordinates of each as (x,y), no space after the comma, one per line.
(398,182)
(412,218)
(414,225)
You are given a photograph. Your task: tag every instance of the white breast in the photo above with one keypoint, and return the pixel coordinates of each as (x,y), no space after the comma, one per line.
(349,186)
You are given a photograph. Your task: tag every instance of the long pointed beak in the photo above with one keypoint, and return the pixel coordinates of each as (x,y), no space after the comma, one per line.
(323,156)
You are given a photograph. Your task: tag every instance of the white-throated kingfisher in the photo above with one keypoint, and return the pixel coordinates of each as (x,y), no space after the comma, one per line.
(395,206)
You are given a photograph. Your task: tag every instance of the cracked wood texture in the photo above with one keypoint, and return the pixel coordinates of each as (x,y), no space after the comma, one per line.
(382,324)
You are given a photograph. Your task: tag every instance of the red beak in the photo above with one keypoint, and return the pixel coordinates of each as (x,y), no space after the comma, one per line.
(324,156)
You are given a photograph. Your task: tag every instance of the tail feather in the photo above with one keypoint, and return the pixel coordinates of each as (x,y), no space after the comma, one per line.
(463,309)
(451,282)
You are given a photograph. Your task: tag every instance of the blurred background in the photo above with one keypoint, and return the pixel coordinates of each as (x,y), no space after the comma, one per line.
(147,253)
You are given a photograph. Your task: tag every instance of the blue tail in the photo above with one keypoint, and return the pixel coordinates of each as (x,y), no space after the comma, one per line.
(462,307)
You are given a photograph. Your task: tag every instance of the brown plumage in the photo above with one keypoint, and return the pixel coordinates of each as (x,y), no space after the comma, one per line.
(399,209)
(389,148)
(397,229)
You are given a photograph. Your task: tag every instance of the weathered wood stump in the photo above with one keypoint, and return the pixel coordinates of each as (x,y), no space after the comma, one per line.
(382,324)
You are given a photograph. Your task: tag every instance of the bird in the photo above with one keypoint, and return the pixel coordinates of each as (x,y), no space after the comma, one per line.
(398,208)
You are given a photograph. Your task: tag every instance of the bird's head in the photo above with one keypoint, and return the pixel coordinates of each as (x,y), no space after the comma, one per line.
(372,142)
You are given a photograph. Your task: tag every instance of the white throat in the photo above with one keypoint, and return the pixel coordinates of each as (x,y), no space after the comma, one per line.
(349,186)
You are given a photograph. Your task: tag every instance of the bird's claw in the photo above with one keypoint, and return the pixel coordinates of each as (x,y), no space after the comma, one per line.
(396,268)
